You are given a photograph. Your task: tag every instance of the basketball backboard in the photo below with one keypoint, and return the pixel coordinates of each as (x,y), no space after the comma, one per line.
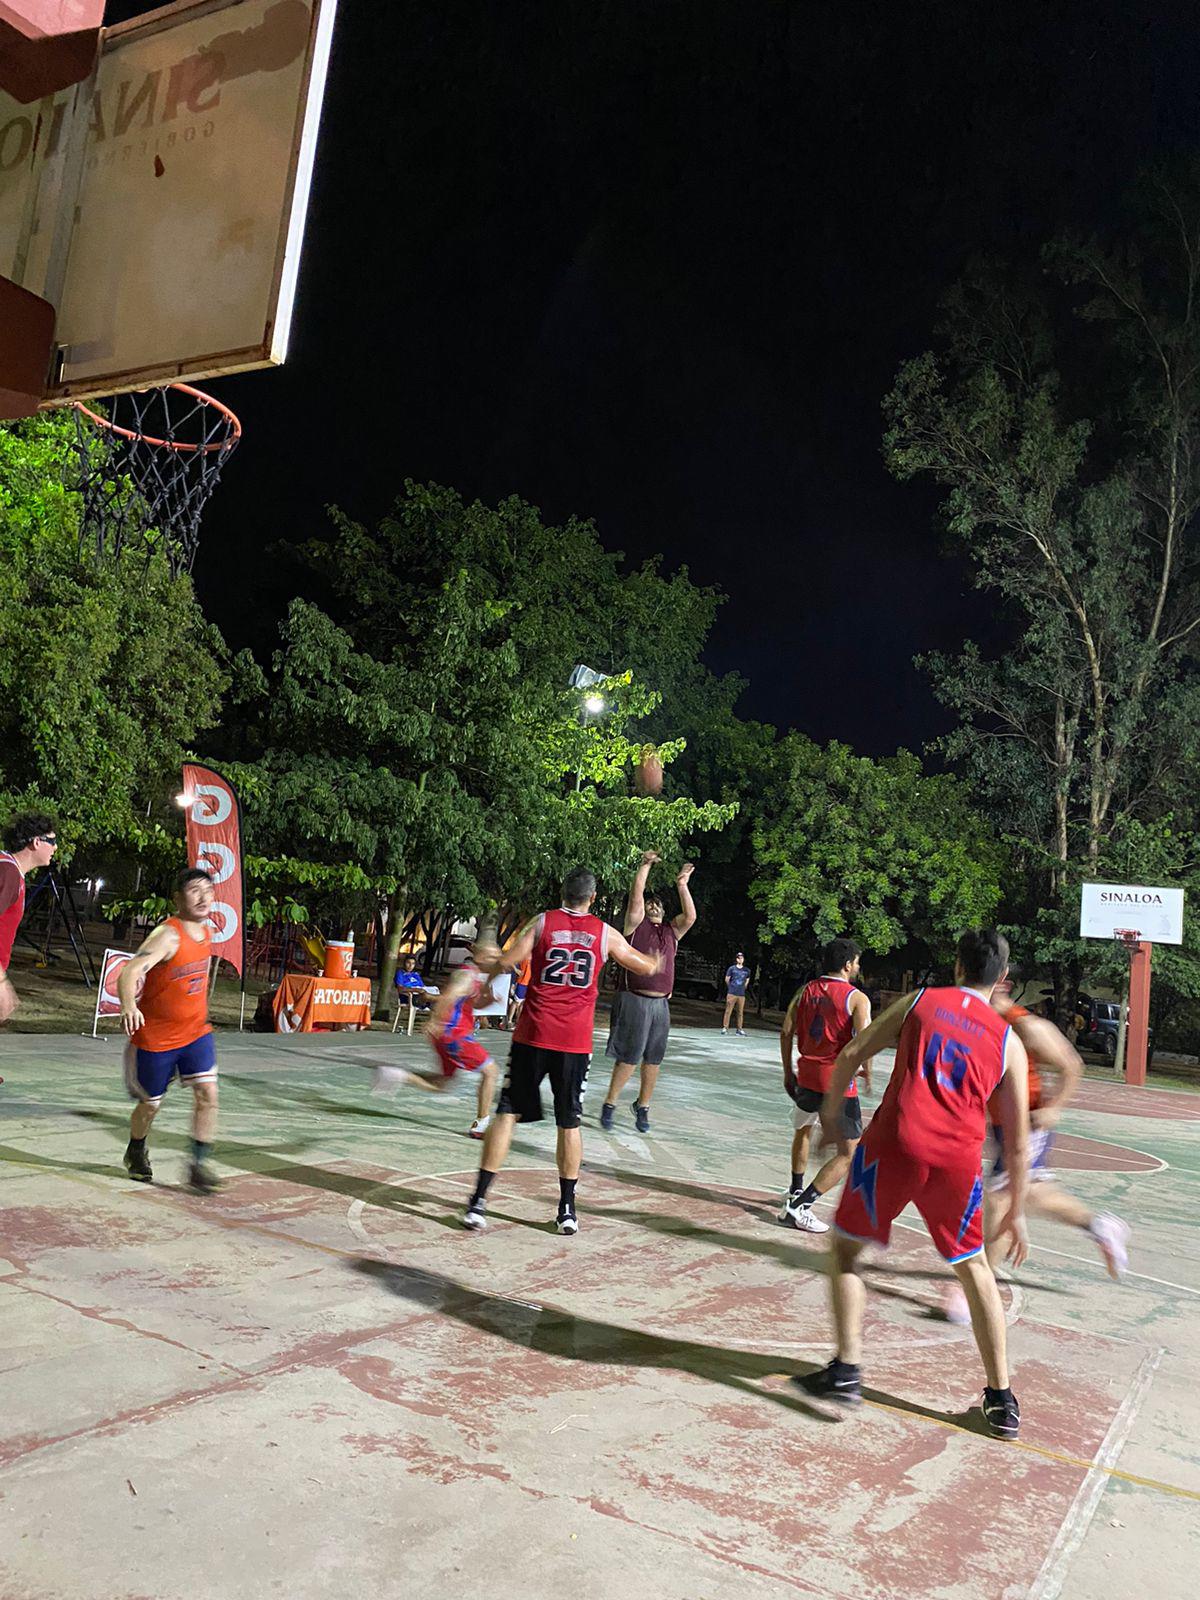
(1155,915)
(159,205)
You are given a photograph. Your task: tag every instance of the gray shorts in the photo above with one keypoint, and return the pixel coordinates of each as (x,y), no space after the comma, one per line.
(638,1028)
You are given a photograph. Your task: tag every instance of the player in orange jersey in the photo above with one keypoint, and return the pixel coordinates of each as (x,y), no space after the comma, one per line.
(169,1032)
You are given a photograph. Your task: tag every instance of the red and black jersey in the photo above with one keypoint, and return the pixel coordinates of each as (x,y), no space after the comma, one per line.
(823,1024)
(569,951)
(948,1062)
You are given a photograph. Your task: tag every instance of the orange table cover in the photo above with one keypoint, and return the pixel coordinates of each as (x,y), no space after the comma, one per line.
(303,1002)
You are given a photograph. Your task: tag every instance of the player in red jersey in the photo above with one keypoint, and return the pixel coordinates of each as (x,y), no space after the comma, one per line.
(457,1046)
(170,1035)
(29,842)
(567,950)
(925,1146)
(1048,1051)
(823,1017)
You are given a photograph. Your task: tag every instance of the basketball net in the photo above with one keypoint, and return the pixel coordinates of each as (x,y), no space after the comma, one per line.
(147,470)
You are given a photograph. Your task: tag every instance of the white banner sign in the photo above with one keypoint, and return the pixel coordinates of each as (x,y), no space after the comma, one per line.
(1155,915)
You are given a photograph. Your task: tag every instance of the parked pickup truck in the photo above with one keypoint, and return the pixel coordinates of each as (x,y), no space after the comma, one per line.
(1101,1022)
(697,979)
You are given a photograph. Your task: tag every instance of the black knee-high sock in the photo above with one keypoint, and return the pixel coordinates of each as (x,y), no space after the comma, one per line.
(482,1185)
(566,1193)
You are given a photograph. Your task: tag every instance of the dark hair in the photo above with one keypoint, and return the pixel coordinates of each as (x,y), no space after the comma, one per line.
(188,875)
(25,828)
(982,954)
(840,953)
(578,886)
(652,897)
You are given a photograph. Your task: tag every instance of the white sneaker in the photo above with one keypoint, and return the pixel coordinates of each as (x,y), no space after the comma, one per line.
(955,1308)
(479,1127)
(741,1033)
(802,1218)
(567,1222)
(476,1217)
(724,1031)
(1112,1235)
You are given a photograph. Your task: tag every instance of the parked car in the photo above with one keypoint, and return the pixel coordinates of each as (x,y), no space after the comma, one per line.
(1101,1024)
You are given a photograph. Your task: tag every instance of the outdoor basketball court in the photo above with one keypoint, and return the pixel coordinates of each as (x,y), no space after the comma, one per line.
(318,1379)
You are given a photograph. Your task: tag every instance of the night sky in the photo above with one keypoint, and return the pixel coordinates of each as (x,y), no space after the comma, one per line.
(656,262)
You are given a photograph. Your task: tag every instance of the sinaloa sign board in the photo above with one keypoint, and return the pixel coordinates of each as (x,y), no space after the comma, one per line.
(1155,914)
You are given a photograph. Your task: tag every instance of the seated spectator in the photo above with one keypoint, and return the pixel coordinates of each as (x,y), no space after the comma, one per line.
(411,985)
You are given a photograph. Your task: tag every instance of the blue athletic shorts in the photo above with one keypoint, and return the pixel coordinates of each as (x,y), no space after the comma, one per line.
(1041,1144)
(148,1073)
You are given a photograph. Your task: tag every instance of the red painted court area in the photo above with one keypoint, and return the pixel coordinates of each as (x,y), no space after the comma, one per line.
(657,1346)
(1119,1100)
(1075,1154)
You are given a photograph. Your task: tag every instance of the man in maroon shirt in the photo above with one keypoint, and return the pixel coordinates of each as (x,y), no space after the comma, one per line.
(641,1015)
(29,842)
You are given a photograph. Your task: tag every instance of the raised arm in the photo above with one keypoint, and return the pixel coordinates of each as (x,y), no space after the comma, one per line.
(687,915)
(635,906)
(160,945)
(514,955)
(623,953)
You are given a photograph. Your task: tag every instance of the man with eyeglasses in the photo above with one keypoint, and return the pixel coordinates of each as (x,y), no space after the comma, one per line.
(29,842)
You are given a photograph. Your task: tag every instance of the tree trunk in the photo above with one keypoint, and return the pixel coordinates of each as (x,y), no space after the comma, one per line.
(387,965)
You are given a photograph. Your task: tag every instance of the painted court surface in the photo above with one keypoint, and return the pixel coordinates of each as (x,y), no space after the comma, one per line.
(316,1383)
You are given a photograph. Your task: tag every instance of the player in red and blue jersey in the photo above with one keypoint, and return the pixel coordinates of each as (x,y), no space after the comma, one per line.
(823,1017)
(457,1046)
(924,1146)
(566,950)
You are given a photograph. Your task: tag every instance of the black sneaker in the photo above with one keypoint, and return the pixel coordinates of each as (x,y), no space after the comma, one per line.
(1001,1413)
(476,1216)
(137,1164)
(606,1116)
(567,1222)
(641,1115)
(837,1382)
(202,1179)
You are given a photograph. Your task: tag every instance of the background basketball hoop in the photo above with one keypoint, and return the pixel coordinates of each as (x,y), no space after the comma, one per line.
(148,468)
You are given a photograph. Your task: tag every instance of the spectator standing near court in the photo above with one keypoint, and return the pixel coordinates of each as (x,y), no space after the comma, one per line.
(737,979)
(29,842)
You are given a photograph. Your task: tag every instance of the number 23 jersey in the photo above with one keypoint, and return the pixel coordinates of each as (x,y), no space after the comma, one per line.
(569,951)
(949,1059)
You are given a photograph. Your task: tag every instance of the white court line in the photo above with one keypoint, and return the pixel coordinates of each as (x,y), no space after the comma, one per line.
(1049,1581)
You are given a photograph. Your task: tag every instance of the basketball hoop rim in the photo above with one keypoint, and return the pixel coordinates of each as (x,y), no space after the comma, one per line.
(227,443)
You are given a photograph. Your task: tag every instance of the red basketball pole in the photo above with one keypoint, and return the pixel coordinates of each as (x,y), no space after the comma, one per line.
(1136,1046)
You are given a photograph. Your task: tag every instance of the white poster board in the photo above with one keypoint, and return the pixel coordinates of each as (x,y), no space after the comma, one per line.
(499,1006)
(1155,914)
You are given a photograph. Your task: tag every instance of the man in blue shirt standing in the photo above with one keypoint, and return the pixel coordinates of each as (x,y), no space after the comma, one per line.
(737,977)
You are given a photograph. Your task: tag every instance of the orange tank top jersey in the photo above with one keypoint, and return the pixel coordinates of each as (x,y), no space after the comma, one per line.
(1014,1014)
(174,999)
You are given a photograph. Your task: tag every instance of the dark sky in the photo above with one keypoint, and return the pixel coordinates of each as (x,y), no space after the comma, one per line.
(656,262)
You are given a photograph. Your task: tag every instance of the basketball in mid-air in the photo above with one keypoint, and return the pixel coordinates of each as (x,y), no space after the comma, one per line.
(648,774)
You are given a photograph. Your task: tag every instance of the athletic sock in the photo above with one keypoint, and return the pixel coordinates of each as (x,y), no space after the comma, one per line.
(137,1145)
(797,1183)
(200,1151)
(997,1394)
(482,1184)
(844,1369)
(566,1193)
(806,1196)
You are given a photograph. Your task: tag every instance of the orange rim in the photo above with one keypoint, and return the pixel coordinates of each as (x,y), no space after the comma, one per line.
(235,426)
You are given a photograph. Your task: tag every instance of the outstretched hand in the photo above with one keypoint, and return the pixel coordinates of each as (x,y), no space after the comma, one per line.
(649,857)
(685,872)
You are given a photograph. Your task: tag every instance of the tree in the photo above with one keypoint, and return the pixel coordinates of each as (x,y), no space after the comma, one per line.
(108,672)
(1063,418)
(874,849)
(421,725)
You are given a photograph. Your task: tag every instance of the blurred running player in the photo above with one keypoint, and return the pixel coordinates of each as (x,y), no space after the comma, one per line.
(823,1017)
(170,1035)
(925,1146)
(1048,1051)
(457,1046)
(567,950)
